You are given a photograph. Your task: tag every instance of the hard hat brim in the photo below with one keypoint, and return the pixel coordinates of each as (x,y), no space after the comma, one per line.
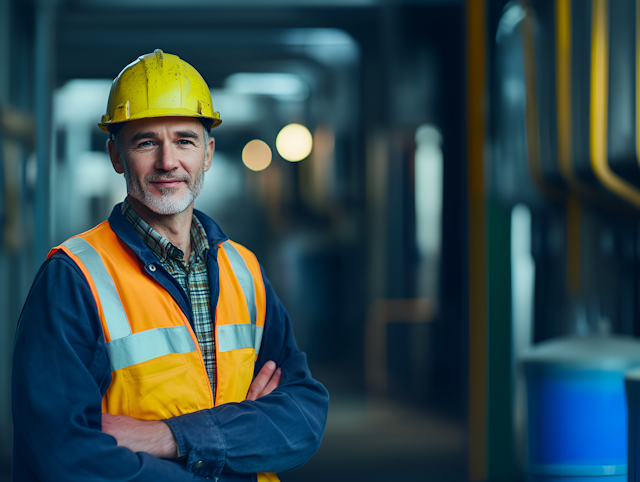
(168,112)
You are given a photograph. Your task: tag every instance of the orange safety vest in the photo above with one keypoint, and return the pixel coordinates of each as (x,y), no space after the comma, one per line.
(157,367)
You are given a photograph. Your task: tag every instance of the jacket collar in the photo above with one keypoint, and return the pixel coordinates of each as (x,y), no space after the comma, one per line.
(128,234)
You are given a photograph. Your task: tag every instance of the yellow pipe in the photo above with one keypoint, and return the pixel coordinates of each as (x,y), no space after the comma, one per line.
(477,242)
(599,108)
(563,87)
(563,106)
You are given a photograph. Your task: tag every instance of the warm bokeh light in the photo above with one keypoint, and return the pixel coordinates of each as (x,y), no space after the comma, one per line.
(294,142)
(256,155)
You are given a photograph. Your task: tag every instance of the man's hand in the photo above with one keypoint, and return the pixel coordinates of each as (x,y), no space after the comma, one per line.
(156,438)
(151,436)
(266,381)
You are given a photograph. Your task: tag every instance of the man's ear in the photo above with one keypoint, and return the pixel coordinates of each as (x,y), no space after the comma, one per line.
(211,146)
(116,160)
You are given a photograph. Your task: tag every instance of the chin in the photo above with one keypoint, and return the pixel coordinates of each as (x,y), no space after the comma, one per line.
(165,205)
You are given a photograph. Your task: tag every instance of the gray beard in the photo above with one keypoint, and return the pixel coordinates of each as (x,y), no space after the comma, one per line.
(166,204)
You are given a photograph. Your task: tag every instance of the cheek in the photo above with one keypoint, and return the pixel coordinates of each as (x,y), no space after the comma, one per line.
(139,172)
(195,166)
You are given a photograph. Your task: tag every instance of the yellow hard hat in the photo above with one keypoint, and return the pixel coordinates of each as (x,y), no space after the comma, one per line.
(158,85)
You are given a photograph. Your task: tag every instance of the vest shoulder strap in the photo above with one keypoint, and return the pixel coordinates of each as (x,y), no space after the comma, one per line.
(114,314)
(234,337)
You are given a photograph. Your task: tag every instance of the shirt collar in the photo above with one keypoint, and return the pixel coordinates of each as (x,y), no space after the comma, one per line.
(125,231)
(199,241)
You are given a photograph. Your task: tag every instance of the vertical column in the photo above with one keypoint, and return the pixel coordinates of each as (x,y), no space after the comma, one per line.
(5,272)
(5,31)
(44,75)
(477,241)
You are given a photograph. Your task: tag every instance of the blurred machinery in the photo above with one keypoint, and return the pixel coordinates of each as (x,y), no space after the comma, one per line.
(565,177)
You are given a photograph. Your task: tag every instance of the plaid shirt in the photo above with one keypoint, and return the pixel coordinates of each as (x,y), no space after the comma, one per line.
(194,279)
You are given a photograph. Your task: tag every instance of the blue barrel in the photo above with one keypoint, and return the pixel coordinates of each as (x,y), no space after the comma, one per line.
(632,382)
(576,408)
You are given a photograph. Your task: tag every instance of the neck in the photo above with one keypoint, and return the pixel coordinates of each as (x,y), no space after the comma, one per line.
(176,228)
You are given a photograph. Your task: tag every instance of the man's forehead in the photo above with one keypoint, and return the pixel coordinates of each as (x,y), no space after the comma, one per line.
(162,125)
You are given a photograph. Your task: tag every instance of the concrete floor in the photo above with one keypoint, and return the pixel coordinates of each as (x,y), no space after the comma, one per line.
(385,442)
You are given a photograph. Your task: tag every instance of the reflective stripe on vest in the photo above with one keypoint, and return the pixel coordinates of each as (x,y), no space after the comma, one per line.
(126,349)
(234,337)
(112,308)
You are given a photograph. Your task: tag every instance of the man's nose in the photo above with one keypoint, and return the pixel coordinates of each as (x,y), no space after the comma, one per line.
(167,158)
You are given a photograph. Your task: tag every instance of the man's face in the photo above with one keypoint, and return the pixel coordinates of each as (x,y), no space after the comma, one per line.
(163,160)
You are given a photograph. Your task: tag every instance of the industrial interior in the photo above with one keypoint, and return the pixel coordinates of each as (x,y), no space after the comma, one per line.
(457,243)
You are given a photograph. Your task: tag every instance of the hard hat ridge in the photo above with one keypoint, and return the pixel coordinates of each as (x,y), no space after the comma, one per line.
(159,58)
(158,85)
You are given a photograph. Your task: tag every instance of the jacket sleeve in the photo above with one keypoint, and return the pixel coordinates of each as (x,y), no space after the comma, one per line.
(275,433)
(60,372)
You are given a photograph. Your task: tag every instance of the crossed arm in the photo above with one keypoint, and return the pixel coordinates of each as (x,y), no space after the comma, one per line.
(156,438)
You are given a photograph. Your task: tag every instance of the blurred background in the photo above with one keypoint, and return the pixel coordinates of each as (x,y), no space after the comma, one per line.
(464,186)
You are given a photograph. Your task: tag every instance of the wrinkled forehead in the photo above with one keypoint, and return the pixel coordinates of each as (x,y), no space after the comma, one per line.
(162,126)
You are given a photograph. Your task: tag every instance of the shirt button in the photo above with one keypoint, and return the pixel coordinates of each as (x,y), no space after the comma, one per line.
(199,464)
(152,267)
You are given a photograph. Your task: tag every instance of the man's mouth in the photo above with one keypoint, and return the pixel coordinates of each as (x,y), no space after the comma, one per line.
(166,183)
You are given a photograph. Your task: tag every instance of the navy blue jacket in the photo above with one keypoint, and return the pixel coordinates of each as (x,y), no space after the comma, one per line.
(61,371)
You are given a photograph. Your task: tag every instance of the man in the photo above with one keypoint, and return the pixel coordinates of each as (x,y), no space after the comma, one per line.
(136,348)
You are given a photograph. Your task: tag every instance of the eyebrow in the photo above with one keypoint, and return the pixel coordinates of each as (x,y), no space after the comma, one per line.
(188,133)
(151,135)
(143,135)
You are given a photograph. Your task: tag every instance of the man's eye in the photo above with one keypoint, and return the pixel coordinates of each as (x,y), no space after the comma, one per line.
(184,142)
(145,144)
